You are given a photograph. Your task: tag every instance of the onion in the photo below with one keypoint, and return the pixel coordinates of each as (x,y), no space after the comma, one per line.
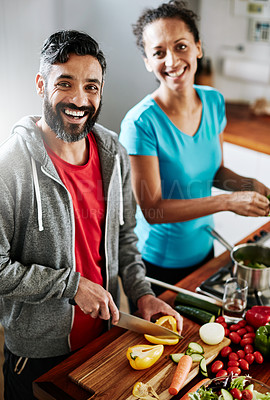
(212,333)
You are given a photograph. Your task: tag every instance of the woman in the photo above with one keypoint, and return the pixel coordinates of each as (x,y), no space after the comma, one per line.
(174,138)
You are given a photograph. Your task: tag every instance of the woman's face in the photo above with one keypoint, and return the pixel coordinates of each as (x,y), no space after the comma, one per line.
(171,52)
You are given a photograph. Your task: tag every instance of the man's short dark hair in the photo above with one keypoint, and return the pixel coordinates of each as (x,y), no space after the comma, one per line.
(58,47)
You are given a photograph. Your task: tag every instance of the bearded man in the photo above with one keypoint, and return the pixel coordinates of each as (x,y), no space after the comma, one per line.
(66,220)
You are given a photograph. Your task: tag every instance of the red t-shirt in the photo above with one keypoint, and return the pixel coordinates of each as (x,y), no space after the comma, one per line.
(84,183)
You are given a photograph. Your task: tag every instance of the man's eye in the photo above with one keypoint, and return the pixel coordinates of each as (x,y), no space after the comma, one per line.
(63,84)
(92,88)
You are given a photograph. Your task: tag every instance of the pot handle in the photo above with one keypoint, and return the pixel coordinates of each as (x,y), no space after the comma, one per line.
(218,237)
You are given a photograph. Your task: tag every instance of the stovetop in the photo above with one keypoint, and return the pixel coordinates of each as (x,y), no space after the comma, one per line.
(214,286)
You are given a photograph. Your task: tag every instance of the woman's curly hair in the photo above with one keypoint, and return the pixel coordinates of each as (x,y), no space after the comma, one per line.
(172,9)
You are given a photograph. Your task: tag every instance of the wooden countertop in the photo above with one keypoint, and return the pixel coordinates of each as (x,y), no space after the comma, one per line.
(246,129)
(55,384)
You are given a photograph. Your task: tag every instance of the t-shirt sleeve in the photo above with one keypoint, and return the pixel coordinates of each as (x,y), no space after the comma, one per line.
(138,138)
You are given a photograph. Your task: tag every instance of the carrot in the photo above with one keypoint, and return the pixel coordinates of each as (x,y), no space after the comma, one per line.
(194,388)
(180,375)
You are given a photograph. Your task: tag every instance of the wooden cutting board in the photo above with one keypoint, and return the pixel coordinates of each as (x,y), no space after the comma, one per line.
(108,374)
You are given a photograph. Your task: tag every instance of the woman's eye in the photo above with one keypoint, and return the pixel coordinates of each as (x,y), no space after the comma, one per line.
(181,47)
(158,54)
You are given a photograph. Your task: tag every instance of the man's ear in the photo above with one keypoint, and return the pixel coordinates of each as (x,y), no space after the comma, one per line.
(147,66)
(40,84)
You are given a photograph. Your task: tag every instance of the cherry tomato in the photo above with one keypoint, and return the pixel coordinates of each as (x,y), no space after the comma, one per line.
(234,370)
(217,366)
(241,353)
(225,351)
(233,363)
(236,393)
(226,332)
(245,341)
(220,319)
(242,323)
(234,327)
(258,357)
(221,372)
(249,328)
(249,334)
(241,331)
(248,348)
(247,394)
(224,324)
(243,364)
(235,338)
(233,357)
(250,358)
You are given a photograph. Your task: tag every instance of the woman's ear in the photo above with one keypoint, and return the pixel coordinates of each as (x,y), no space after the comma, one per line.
(40,84)
(199,48)
(147,66)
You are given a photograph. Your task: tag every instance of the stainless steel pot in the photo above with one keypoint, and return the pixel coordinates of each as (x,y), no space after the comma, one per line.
(257,279)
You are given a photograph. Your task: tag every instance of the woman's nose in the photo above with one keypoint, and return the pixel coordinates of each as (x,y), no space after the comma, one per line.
(170,59)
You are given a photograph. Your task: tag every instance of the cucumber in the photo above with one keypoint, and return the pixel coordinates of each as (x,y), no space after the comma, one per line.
(194,347)
(196,357)
(189,300)
(176,357)
(203,367)
(226,395)
(195,314)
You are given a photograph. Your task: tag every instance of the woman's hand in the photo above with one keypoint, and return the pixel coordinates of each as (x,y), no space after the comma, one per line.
(250,204)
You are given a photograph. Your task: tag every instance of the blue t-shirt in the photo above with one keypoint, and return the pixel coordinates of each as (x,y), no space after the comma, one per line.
(187,165)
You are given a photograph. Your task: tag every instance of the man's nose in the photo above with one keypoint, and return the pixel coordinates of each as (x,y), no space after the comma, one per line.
(79,97)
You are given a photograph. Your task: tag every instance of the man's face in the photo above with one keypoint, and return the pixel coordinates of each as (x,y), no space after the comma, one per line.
(72,97)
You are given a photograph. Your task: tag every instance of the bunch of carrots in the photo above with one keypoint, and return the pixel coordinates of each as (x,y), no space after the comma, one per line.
(180,376)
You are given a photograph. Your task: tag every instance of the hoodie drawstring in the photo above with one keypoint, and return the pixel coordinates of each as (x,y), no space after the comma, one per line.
(37,192)
(121,211)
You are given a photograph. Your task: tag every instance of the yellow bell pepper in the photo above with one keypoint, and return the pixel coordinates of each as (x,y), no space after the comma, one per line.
(144,391)
(143,355)
(169,322)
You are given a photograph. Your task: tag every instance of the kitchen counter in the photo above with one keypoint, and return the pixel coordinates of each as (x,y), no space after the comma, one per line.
(246,129)
(55,384)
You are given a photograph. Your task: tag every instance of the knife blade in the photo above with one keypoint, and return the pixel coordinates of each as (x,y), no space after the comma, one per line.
(139,325)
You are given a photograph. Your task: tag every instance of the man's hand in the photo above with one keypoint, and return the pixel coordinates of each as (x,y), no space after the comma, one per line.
(94,300)
(149,306)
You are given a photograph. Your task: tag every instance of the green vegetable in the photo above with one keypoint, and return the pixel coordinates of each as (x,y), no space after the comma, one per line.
(262,340)
(195,314)
(203,367)
(194,347)
(189,300)
(176,357)
(226,395)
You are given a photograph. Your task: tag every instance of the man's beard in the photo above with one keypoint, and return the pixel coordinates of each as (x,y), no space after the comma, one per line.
(69,132)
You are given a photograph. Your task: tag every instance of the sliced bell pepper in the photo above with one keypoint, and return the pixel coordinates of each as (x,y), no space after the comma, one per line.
(258,316)
(169,322)
(262,340)
(143,355)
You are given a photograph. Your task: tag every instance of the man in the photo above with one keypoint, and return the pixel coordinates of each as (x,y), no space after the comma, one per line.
(66,220)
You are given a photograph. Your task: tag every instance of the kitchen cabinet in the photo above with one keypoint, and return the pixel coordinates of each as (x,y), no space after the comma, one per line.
(55,384)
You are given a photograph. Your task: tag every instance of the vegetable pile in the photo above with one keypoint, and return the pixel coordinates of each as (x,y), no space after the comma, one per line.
(229,388)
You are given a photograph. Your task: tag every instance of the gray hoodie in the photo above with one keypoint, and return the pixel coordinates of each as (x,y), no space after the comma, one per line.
(37,263)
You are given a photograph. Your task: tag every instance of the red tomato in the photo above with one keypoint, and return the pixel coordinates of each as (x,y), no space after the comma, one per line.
(245,341)
(241,331)
(258,357)
(224,324)
(249,334)
(250,358)
(242,323)
(247,394)
(249,328)
(233,357)
(220,319)
(248,348)
(236,393)
(243,364)
(234,327)
(241,353)
(225,351)
(226,332)
(221,372)
(234,370)
(235,338)
(233,363)
(217,366)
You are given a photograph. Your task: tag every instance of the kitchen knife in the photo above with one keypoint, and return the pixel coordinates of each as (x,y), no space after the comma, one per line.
(140,325)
